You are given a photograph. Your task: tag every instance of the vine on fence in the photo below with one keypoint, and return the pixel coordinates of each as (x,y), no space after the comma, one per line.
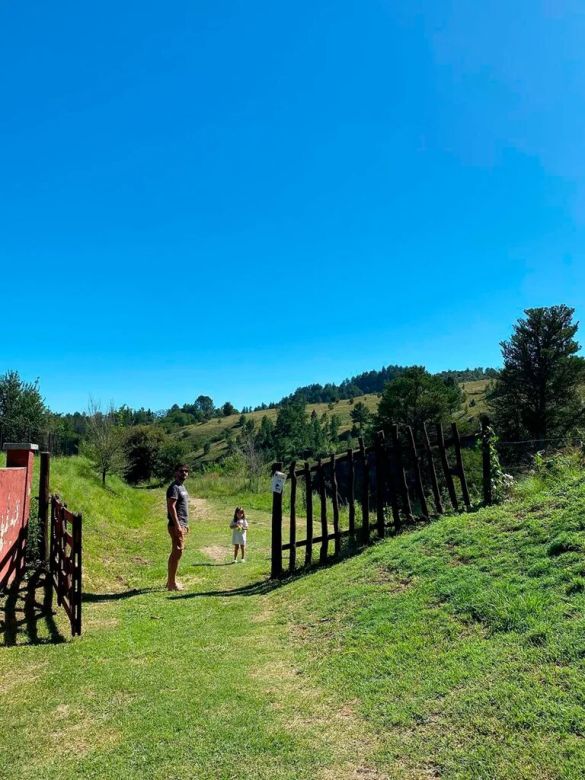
(501,483)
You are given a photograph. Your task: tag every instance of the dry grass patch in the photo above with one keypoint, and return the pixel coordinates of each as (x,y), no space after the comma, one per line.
(216,552)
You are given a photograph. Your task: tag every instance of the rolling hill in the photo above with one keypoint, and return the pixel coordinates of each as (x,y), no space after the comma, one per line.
(216,430)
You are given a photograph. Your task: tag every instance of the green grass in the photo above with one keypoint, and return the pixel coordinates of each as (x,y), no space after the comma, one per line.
(455,650)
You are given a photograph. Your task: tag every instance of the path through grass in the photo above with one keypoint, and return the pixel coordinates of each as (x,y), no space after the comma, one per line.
(201,684)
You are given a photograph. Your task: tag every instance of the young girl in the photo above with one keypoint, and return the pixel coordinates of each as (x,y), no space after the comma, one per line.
(239,525)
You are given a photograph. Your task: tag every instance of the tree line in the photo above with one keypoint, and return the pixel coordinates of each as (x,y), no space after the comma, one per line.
(537,394)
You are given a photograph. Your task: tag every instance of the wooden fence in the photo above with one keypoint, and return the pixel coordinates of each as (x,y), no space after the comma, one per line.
(65,560)
(379,488)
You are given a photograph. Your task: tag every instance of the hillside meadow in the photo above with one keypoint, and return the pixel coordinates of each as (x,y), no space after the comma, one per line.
(215,430)
(454,650)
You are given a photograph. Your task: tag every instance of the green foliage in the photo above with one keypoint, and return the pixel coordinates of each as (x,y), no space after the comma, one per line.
(103,445)
(536,394)
(361,415)
(143,446)
(23,414)
(170,453)
(417,397)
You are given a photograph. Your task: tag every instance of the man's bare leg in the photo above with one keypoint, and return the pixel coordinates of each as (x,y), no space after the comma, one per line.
(174,559)
(173,564)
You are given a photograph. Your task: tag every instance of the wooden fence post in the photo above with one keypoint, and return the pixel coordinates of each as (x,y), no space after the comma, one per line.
(293,517)
(445,465)
(351,495)
(77,576)
(486,435)
(335,501)
(433,473)
(309,499)
(417,473)
(276,568)
(403,487)
(460,469)
(365,499)
(44,498)
(380,478)
(323,501)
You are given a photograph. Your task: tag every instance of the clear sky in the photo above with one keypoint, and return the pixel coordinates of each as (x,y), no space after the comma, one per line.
(237,198)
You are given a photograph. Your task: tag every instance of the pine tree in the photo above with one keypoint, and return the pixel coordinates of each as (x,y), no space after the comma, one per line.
(537,392)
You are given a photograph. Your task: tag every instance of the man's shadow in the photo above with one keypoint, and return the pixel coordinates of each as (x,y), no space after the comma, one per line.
(28,615)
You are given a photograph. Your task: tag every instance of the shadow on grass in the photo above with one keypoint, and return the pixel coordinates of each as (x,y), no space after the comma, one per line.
(261,587)
(28,611)
(254,589)
(226,563)
(92,598)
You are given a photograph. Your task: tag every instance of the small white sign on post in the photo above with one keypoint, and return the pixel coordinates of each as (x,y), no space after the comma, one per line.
(278,480)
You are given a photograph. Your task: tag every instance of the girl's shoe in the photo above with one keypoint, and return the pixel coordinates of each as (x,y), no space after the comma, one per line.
(243,560)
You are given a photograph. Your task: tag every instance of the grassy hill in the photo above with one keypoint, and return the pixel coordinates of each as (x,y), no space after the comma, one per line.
(214,431)
(455,650)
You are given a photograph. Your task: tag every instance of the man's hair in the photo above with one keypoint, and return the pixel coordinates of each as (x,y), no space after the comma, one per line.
(181,466)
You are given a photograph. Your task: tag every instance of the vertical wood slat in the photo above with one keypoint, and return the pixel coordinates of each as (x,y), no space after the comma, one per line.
(402,485)
(365,493)
(60,553)
(432,472)
(52,539)
(293,518)
(417,473)
(44,500)
(351,497)
(380,481)
(78,573)
(309,501)
(459,461)
(445,465)
(486,460)
(276,568)
(323,511)
(392,472)
(335,501)
(323,502)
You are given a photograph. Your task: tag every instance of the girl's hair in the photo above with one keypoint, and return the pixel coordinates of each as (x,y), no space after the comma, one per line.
(239,509)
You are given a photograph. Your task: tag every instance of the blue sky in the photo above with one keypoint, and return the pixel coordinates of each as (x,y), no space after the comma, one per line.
(237,198)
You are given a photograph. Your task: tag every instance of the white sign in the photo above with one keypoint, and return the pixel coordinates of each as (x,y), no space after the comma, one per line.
(278,480)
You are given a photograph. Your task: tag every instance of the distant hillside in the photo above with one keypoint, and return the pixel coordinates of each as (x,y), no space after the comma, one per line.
(214,434)
(374,382)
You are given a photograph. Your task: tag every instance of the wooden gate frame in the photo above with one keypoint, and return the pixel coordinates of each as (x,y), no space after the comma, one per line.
(65,560)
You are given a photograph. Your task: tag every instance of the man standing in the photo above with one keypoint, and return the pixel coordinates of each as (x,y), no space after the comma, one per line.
(178,525)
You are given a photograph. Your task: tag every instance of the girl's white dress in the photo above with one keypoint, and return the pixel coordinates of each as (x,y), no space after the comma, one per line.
(239,531)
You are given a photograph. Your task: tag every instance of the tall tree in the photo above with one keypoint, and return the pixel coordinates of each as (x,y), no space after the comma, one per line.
(104,441)
(143,447)
(23,414)
(417,397)
(538,391)
(204,407)
(360,415)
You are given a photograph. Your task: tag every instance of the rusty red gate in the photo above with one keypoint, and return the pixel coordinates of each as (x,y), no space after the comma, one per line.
(65,560)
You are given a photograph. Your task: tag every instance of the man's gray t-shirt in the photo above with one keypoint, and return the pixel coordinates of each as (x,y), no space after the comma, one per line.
(178,493)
